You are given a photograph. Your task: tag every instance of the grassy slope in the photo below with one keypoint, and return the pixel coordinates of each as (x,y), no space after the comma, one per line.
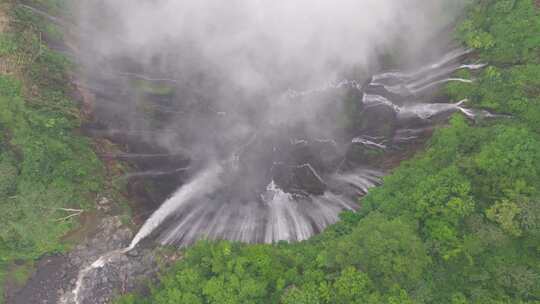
(44,165)
(459,223)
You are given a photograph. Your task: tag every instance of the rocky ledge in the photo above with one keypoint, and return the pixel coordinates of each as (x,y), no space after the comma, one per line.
(56,277)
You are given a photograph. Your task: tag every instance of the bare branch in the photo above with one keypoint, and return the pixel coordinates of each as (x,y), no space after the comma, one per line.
(77,212)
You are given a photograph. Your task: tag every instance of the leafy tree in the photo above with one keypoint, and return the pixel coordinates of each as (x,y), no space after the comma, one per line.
(390,251)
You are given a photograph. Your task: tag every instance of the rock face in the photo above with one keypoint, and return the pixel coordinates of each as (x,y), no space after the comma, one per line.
(101,284)
(56,277)
(122,273)
(309,179)
(46,286)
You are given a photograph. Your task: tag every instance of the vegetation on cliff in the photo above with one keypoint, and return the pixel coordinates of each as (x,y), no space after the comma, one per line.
(46,170)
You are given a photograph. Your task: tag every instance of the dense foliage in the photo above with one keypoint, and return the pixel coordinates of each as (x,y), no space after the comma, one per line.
(44,167)
(459,223)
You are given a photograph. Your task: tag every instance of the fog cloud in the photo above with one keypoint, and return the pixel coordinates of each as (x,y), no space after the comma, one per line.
(256,87)
(259,45)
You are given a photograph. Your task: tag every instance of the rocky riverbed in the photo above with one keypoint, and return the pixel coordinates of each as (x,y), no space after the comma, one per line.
(56,275)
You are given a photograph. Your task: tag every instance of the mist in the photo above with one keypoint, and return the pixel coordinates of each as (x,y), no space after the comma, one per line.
(254,90)
(262,45)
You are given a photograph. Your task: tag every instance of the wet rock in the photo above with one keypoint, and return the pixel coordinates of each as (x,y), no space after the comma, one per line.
(56,276)
(133,253)
(282,175)
(308,179)
(361,154)
(378,120)
(103,283)
(121,274)
(104,204)
(328,154)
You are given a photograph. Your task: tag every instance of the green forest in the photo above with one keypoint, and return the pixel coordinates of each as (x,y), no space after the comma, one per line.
(46,168)
(458,223)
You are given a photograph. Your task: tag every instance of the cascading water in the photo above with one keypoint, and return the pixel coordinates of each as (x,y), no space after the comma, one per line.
(299,187)
(298,183)
(200,186)
(302,182)
(103,260)
(285,182)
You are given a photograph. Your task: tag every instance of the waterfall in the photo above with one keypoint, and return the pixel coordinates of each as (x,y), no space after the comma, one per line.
(200,185)
(442,81)
(147,78)
(101,262)
(299,199)
(292,94)
(155,173)
(276,185)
